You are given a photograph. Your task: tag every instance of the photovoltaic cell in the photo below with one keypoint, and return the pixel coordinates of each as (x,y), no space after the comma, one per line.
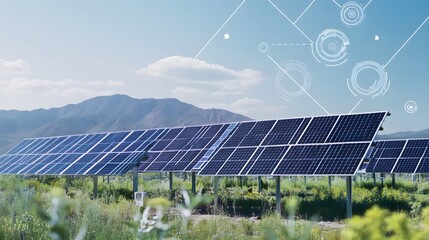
(86,154)
(325,145)
(189,145)
(399,156)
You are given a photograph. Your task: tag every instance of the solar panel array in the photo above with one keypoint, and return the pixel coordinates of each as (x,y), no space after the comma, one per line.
(400,156)
(88,154)
(181,148)
(327,145)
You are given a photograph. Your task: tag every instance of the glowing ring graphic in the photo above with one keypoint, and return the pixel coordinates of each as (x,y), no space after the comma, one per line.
(380,86)
(331,47)
(352,13)
(410,107)
(263,47)
(289,67)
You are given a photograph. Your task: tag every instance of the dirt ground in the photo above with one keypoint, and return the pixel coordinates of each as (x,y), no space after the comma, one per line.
(322,224)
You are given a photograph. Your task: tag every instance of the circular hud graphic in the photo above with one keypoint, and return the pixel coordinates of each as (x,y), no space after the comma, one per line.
(410,107)
(352,13)
(291,74)
(331,47)
(380,85)
(263,47)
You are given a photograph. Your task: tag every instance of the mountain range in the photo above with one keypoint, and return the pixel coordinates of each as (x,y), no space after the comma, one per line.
(119,112)
(102,114)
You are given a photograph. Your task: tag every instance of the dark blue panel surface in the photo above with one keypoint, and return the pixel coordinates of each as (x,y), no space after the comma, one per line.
(283,131)
(258,133)
(300,130)
(302,160)
(237,161)
(267,161)
(239,134)
(356,128)
(318,129)
(217,161)
(406,165)
(342,159)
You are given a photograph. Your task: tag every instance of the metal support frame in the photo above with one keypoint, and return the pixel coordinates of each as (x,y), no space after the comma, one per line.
(278,197)
(135,179)
(193,181)
(259,184)
(240,179)
(373,178)
(349,196)
(216,190)
(393,180)
(95,191)
(171,181)
(329,182)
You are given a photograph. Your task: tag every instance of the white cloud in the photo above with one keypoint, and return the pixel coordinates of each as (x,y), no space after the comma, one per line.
(186,70)
(251,107)
(18,66)
(111,83)
(187,92)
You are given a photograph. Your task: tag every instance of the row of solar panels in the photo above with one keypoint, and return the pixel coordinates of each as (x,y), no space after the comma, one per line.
(399,156)
(323,145)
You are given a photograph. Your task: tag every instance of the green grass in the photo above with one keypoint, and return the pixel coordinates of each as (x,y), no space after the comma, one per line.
(112,215)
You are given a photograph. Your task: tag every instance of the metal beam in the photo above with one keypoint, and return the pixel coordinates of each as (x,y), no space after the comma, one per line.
(278,196)
(135,179)
(349,196)
(393,180)
(329,182)
(216,190)
(193,180)
(95,191)
(171,180)
(259,184)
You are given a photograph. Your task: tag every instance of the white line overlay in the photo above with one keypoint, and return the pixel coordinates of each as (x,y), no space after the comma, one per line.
(305,91)
(214,35)
(405,43)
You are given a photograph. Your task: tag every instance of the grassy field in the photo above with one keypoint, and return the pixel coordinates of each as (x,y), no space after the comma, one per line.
(50,207)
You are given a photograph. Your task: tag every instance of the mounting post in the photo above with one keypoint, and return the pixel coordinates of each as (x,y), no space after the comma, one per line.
(135,179)
(193,181)
(373,178)
(393,180)
(216,189)
(240,179)
(171,180)
(349,196)
(278,197)
(259,184)
(95,191)
(329,182)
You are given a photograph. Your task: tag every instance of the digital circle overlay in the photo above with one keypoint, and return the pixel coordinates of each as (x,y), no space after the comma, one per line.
(263,47)
(352,13)
(410,107)
(331,47)
(298,71)
(380,85)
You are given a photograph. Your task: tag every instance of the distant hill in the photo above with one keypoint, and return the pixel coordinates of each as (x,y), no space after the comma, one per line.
(100,114)
(404,135)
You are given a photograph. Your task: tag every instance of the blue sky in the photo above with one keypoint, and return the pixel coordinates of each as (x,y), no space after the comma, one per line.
(56,52)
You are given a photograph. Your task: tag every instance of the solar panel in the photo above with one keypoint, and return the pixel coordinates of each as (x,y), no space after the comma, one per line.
(399,156)
(181,148)
(87,154)
(322,145)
